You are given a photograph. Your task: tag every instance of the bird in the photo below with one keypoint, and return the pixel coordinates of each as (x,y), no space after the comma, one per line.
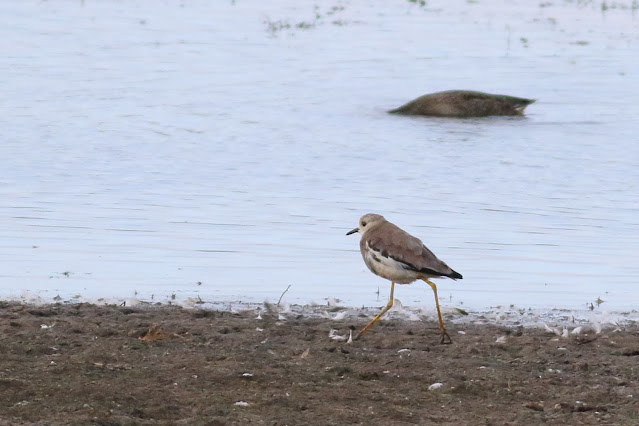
(394,254)
(464,104)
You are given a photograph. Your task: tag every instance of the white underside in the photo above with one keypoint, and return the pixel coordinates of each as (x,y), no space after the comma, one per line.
(389,268)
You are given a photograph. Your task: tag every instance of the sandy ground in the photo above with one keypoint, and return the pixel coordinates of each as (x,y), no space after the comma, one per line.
(111,365)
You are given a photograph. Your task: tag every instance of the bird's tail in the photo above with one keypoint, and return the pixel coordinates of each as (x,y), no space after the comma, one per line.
(520,104)
(455,275)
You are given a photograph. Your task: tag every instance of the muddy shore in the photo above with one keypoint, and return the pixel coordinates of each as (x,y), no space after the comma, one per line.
(78,364)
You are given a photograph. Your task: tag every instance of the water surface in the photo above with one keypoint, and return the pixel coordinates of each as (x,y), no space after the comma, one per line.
(222,150)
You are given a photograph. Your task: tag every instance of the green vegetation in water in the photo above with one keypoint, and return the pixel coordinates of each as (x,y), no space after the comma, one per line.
(305,25)
(276,26)
(634,5)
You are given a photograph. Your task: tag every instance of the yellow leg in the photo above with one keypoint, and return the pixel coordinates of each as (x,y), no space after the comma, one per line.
(388,306)
(439,314)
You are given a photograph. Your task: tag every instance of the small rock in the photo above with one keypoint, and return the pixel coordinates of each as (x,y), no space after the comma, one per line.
(579,366)
(535,406)
(435,386)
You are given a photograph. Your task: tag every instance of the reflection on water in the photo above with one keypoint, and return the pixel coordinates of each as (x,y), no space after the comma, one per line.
(223,150)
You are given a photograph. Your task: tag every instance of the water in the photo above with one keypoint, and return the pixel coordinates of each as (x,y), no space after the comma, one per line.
(205,149)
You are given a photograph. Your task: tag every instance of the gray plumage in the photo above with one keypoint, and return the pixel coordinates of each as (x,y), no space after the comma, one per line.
(464,104)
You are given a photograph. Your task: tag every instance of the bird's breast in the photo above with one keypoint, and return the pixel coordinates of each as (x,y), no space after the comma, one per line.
(387,267)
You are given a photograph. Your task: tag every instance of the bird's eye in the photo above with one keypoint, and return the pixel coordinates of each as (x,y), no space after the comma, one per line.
(363,223)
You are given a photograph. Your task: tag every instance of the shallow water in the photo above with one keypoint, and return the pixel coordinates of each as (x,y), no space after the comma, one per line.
(206,150)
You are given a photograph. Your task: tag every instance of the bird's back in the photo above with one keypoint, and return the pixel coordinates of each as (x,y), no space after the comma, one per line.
(463,103)
(390,241)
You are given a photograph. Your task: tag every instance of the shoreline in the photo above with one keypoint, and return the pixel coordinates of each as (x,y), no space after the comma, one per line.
(165,365)
(595,319)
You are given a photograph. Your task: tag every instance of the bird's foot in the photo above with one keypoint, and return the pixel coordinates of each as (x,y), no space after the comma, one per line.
(445,336)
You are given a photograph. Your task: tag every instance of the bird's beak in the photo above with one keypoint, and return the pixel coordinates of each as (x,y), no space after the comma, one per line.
(353,231)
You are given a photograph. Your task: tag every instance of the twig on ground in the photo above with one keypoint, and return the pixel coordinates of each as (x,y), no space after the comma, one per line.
(278,302)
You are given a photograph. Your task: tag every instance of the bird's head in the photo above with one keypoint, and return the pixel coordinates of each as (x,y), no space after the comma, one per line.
(367,222)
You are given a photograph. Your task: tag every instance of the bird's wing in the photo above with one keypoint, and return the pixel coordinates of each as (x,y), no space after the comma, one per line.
(395,243)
